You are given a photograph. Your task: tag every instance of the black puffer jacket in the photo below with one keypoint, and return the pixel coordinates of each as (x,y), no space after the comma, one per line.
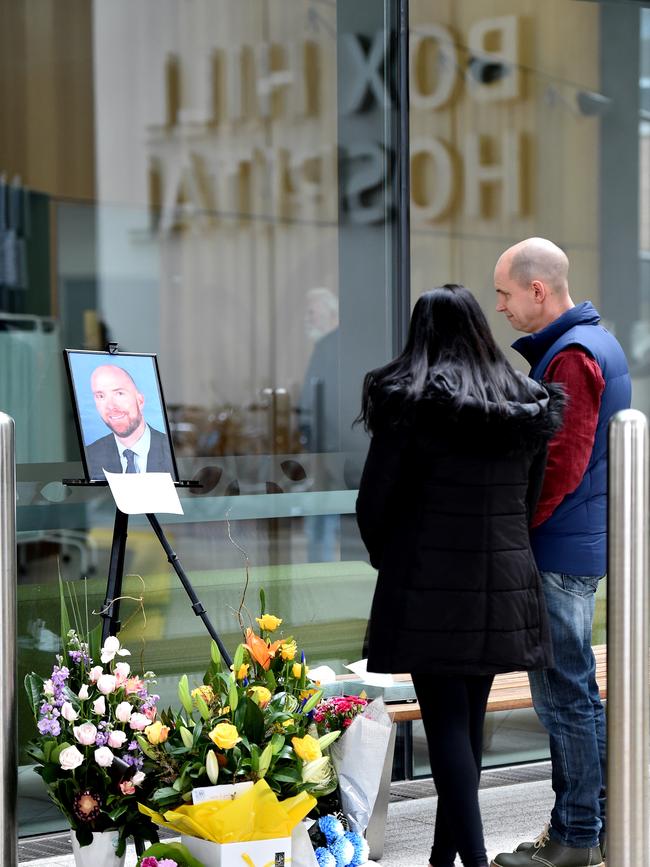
(444,506)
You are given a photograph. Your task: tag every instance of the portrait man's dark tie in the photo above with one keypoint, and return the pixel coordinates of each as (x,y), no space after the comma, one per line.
(130,461)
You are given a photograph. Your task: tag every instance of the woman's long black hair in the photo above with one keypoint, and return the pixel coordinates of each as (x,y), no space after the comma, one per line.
(449,346)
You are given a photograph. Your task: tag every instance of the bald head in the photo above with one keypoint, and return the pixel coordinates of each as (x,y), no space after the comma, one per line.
(532,284)
(118,402)
(539,259)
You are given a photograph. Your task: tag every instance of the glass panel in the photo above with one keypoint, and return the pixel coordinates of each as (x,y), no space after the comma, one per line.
(210,183)
(532,120)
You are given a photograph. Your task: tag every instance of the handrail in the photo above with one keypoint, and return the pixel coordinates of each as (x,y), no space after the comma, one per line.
(628,710)
(8,720)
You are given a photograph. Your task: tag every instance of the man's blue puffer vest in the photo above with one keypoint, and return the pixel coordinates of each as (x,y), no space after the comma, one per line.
(574,539)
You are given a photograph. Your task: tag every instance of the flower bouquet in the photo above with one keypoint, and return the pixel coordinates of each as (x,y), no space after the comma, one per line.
(241,726)
(88,715)
(336,713)
(249,723)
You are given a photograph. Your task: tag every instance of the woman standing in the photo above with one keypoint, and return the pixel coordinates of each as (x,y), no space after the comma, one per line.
(451,479)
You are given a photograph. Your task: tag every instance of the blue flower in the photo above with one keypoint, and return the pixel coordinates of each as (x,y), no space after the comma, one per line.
(361,848)
(343,850)
(331,827)
(325,857)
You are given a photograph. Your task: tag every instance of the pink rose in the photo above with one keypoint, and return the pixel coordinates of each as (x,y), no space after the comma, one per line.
(150,713)
(95,673)
(85,733)
(127,787)
(139,722)
(116,739)
(107,684)
(121,671)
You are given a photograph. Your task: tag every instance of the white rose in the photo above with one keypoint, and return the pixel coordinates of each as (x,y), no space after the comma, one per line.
(68,712)
(122,669)
(99,706)
(70,758)
(85,733)
(95,673)
(139,722)
(104,757)
(48,687)
(107,684)
(116,739)
(123,711)
(138,778)
(83,692)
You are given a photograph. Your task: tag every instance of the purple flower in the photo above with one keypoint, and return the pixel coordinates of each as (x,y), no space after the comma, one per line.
(133,745)
(49,727)
(101,739)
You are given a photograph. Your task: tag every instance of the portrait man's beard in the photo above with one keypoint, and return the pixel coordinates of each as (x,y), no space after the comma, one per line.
(131,427)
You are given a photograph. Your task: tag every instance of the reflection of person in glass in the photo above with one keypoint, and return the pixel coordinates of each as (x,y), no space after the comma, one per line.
(319,409)
(133,446)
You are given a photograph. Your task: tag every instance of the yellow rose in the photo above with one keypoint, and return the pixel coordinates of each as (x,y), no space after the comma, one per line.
(288,650)
(269,622)
(307,748)
(225,736)
(261,695)
(297,669)
(156,733)
(242,671)
(206,693)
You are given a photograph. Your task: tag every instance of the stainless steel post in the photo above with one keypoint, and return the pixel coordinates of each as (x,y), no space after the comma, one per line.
(628,670)
(8,725)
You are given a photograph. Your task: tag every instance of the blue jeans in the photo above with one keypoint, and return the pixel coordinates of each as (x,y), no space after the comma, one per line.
(567,702)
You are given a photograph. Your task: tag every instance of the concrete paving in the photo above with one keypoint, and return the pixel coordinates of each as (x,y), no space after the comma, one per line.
(510,814)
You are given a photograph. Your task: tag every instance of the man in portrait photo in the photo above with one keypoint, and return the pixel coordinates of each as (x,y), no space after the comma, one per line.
(132,446)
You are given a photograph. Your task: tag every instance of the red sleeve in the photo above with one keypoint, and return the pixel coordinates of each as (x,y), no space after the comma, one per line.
(570,449)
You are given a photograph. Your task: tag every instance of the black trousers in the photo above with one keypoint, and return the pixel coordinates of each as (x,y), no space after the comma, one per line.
(453,712)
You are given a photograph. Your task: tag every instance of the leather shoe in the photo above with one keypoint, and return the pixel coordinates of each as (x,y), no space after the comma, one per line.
(525,847)
(550,853)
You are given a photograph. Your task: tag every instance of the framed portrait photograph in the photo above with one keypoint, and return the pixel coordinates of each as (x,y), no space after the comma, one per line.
(120,413)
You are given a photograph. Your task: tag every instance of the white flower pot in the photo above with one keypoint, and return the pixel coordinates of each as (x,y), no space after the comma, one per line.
(100,853)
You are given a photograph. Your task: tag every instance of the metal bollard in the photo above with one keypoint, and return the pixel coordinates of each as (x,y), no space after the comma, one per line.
(628,669)
(9,737)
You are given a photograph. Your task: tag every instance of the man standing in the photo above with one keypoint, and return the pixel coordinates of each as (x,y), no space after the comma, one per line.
(566,344)
(132,446)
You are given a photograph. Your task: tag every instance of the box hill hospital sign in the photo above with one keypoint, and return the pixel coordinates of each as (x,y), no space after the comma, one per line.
(213,157)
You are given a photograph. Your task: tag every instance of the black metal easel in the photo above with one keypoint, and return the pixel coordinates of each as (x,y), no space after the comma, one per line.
(111,609)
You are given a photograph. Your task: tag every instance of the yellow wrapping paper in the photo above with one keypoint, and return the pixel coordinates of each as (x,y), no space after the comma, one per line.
(255,815)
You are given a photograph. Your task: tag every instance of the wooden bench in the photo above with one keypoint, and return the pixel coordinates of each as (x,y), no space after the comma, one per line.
(509,691)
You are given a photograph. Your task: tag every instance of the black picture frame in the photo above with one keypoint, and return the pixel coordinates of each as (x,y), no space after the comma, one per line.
(142,369)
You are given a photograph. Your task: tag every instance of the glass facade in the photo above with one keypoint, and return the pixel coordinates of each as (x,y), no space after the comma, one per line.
(211,182)
(222,184)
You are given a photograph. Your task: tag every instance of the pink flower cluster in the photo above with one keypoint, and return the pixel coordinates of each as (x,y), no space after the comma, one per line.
(154,862)
(336,713)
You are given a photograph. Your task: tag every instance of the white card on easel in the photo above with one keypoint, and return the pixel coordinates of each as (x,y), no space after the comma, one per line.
(144,493)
